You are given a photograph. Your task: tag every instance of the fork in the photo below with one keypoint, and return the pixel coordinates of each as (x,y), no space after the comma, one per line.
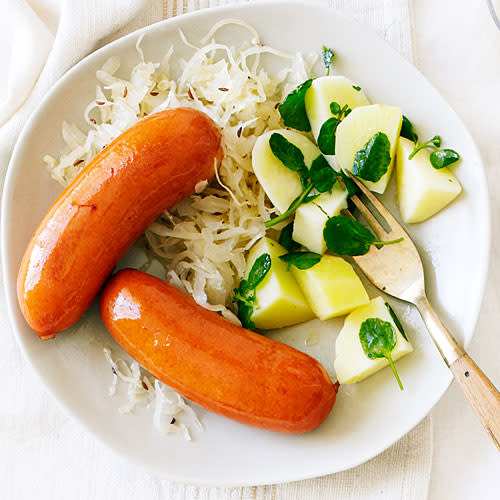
(397,270)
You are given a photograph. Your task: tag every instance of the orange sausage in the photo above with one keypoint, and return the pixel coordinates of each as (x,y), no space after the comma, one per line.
(220,366)
(146,170)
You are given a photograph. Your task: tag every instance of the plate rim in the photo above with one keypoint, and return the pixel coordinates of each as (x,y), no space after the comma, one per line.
(10,284)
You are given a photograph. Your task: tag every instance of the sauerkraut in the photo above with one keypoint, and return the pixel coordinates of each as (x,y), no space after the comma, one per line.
(201,242)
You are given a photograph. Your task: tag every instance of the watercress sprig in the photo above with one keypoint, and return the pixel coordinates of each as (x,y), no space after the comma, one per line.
(320,176)
(327,133)
(378,340)
(244,295)
(439,158)
(328,56)
(346,236)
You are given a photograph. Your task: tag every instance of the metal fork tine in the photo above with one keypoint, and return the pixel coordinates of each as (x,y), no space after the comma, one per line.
(370,218)
(391,221)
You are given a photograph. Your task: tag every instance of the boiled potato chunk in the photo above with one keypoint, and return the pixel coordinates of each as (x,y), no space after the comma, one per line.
(331,287)
(351,363)
(327,89)
(422,190)
(281,184)
(310,218)
(358,128)
(280,302)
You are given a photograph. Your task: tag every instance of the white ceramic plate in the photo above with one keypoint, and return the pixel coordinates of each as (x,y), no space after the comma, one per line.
(368,417)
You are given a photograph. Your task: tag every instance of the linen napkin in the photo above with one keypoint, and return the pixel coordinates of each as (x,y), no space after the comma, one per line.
(38,441)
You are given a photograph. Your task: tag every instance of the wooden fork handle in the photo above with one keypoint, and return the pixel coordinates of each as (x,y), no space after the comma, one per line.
(482,395)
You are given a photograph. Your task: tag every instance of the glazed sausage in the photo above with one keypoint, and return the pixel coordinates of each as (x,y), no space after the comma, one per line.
(214,363)
(146,170)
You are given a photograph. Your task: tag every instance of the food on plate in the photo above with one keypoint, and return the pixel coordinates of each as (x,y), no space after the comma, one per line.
(291,143)
(146,170)
(366,143)
(331,287)
(281,184)
(216,364)
(423,190)
(310,218)
(325,90)
(276,300)
(371,339)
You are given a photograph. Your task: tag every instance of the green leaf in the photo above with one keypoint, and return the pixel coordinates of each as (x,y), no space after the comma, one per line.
(407,130)
(285,239)
(326,137)
(245,312)
(373,159)
(287,153)
(443,158)
(396,320)
(323,176)
(436,140)
(356,87)
(378,340)
(335,108)
(349,184)
(293,108)
(301,260)
(346,236)
(328,56)
(259,270)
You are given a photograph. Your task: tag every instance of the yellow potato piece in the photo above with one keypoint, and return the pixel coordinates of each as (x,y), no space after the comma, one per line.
(280,301)
(327,89)
(331,287)
(422,190)
(351,363)
(310,218)
(281,184)
(358,128)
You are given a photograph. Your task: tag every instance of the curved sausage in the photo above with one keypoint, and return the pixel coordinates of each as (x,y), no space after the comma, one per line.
(146,170)
(220,366)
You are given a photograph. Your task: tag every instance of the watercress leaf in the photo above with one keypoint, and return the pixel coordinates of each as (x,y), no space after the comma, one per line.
(378,339)
(245,312)
(349,184)
(322,174)
(356,87)
(259,270)
(396,320)
(346,236)
(335,108)
(373,159)
(443,158)
(244,287)
(407,130)
(293,108)
(287,153)
(285,239)
(328,56)
(301,260)
(436,140)
(326,137)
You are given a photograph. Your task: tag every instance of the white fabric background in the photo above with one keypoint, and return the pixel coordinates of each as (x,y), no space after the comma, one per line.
(43,453)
